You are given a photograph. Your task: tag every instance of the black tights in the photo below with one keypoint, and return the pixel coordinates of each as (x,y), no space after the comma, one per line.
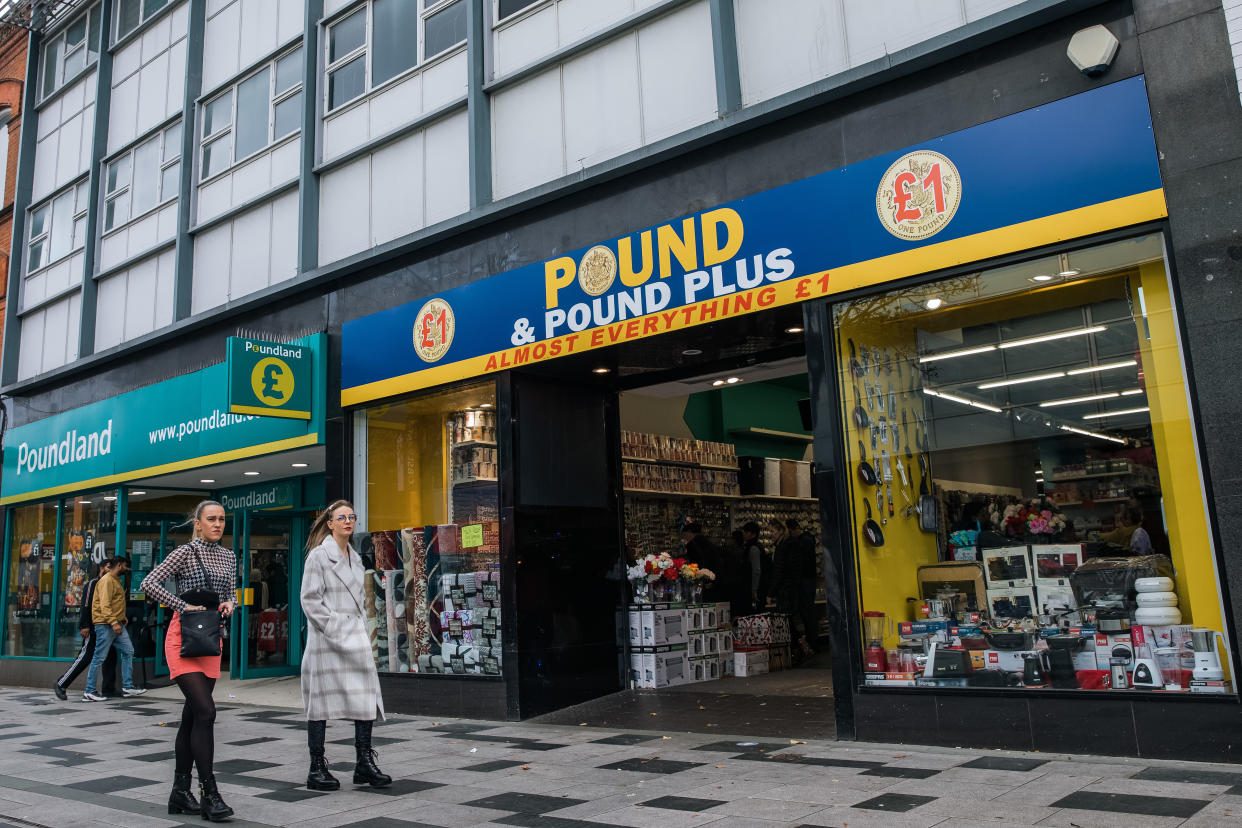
(196,744)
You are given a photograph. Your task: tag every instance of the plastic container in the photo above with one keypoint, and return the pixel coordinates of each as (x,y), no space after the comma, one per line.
(1157,616)
(1156,584)
(1156,599)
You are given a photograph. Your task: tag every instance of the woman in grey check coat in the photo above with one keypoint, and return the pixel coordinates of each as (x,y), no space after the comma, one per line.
(339,680)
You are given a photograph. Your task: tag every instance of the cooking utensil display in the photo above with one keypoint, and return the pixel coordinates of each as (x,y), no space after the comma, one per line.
(888,362)
(865,472)
(889,487)
(861,420)
(928,520)
(856,367)
(901,470)
(871,530)
(867,394)
(879,505)
(1009,639)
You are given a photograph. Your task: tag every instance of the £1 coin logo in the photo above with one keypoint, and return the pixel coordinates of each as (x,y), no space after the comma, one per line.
(597,270)
(919,195)
(433,330)
(271,379)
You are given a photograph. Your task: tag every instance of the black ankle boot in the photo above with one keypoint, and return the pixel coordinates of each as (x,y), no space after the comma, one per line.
(181,801)
(366,772)
(212,806)
(319,778)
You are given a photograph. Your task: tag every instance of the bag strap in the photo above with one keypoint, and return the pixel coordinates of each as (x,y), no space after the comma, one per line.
(202,569)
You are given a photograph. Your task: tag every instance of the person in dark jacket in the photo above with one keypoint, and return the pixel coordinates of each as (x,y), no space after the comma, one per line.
(802,560)
(86,626)
(757,564)
(737,588)
(703,552)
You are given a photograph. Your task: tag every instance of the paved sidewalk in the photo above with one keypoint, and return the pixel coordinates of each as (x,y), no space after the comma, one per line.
(110,764)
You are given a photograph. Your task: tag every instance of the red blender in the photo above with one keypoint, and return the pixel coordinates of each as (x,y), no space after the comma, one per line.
(876,625)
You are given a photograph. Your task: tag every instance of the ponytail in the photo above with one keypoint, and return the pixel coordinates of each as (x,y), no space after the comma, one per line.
(322,527)
(196,515)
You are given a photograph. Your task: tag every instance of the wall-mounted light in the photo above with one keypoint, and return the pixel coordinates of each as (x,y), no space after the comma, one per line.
(137,493)
(251,474)
(1043,277)
(600,370)
(298,465)
(794,330)
(933,303)
(718,382)
(207,480)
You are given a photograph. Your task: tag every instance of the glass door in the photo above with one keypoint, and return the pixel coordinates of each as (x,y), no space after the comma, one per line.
(268,639)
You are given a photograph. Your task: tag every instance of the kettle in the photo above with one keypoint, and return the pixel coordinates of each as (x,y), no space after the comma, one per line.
(1035,669)
(1207,661)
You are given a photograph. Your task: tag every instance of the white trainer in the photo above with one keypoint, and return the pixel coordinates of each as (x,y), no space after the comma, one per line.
(132,691)
(93,697)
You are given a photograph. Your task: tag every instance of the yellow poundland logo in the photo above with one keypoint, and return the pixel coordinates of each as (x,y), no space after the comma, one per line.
(272,381)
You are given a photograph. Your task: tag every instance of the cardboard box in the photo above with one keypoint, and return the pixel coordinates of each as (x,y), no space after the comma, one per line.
(1018,602)
(634,620)
(663,626)
(694,617)
(1108,643)
(726,643)
(1006,567)
(726,666)
(724,616)
(1011,661)
(891,680)
(750,662)
(1205,686)
(802,486)
(789,479)
(659,667)
(704,669)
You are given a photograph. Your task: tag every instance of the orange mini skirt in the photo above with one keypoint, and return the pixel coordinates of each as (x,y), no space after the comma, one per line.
(179,665)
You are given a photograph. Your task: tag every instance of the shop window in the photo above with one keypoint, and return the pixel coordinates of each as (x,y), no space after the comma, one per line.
(88,536)
(32,562)
(143,178)
(57,227)
(428,496)
(247,118)
(1021,454)
(131,14)
(507,8)
(373,44)
(69,53)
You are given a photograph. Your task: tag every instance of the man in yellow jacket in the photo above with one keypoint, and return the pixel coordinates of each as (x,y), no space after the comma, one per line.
(108,613)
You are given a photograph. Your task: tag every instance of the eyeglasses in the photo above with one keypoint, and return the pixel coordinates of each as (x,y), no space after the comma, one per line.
(346,518)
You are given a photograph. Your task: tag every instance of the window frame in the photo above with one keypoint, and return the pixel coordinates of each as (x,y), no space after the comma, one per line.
(229,130)
(143,18)
(127,188)
(61,38)
(514,15)
(80,192)
(426,9)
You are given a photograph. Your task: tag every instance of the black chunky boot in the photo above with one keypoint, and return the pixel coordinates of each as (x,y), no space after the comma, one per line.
(212,806)
(366,772)
(319,779)
(181,801)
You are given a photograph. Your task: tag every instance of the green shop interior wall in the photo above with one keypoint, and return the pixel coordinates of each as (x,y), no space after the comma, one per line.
(772,404)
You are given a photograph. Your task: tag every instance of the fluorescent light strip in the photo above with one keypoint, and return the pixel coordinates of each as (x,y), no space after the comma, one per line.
(1084,432)
(1095,368)
(1020,380)
(962,400)
(1132,392)
(1017,343)
(953,354)
(1076,400)
(1115,413)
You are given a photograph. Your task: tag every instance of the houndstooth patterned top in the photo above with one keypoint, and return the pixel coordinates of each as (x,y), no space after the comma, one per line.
(220,563)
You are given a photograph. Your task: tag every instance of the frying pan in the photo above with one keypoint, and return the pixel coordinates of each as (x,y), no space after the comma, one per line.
(856,367)
(871,530)
(861,420)
(927,504)
(865,472)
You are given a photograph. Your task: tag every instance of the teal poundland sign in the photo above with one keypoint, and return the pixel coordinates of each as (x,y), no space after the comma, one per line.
(270,379)
(170,426)
(285,494)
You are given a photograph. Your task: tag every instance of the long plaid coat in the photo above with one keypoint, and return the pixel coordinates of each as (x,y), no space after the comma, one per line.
(338,671)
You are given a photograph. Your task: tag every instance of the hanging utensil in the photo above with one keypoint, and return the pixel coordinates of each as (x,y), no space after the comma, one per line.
(889,491)
(879,505)
(856,367)
(871,530)
(865,473)
(861,420)
(901,469)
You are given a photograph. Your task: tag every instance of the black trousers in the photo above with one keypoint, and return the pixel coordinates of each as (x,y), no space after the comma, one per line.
(83,661)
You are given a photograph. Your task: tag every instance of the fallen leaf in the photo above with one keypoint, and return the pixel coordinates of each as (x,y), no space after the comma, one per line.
(701,707)
(709,724)
(655,714)
(796,742)
(525,767)
(666,737)
(582,724)
(720,766)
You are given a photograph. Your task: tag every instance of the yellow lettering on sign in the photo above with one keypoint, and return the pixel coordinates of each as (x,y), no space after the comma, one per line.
(683,247)
(629,276)
(712,220)
(557,274)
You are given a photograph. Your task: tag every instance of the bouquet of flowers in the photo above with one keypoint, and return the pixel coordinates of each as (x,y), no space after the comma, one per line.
(1038,517)
(656,567)
(694,572)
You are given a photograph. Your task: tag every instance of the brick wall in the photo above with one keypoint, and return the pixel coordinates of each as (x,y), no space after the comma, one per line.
(12,79)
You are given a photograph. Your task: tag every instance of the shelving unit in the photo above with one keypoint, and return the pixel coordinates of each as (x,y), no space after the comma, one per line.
(678,463)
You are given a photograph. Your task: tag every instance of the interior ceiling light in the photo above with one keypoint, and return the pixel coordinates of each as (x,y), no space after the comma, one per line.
(1067,271)
(137,493)
(1091,369)
(962,400)
(1075,400)
(1132,392)
(959,353)
(251,474)
(109,497)
(732,380)
(1020,380)
(600,370)
(84,501)
(1032,340)
(485,405)
(691,352)
(718,382)
(933,303)
(1116,413)
(298,465)
(206,480)
(1097,434)
(794,330)
(1043,277)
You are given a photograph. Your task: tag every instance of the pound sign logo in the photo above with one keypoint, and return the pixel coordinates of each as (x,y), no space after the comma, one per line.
(272,381)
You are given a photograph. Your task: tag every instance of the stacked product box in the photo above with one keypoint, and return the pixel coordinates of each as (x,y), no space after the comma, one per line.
(657,635)
(753,636)
(710,640)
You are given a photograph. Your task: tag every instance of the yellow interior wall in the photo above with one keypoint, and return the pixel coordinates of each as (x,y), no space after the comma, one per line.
(886,574)
(1176,458)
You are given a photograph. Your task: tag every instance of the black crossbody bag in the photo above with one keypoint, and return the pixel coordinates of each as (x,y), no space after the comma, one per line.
(200,629)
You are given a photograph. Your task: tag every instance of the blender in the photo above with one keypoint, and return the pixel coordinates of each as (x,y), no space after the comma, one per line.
(1207,661)
(876,625)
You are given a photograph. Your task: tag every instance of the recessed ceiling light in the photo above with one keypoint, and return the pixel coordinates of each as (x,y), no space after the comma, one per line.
(732,380)
(1069,273)
(600,370)
(1132,392)
(1043,277)
(251,474)
(109,497)
(961,353)
(1091,369)
(137,493)
(1031,340)
(299,465)
(1020,380)
(718,382)
(1076,400)
(794,330)
(206,480)
(932,304)
(1116,413)
(83,501)
(485,405)
(691,352)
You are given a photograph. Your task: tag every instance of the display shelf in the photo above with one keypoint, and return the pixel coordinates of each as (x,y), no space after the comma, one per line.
(681,463)
(1125,473)
(772,434)
(473,444)
(792,498)
(683,494)
(476,481)
(1096,500)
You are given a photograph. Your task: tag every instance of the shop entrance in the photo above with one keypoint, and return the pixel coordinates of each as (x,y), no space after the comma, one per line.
(266,640)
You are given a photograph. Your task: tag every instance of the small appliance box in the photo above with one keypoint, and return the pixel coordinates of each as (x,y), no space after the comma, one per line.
(704,644)
(660,668)
(891,679)
(726,665)
(1106,644)
(1011,661)
(1208,686)
(724,616)
(803,482)
(750,662)
(726,643)
(704,669)
(789,479)
(663,626)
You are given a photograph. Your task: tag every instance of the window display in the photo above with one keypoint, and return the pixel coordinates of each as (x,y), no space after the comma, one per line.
(32,560)
(430,507)
(1026,502)
(88,536)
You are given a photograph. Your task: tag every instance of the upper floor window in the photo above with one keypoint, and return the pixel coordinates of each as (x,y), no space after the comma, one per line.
(69,52)
(130,14)
(372,45)
(254,113)
(505,8)
(143,178)
(57,227)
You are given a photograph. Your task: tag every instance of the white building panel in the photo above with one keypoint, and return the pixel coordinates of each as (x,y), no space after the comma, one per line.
(344,210)
(388,110)
(49,337)
(249,180)
(243,32)
(579,18)
(140,298)
(677,46)
(448,168)
(135,301)
(52,280)
(110,298)
(331,7)
(602,110)
(211,268)
(64,144)
(148,79)
(979,9)
(528,145)
(284,238)
(785,44)
(220,45)
(255,249)
(880,27)
(138,237)
(397,190)
(526,40)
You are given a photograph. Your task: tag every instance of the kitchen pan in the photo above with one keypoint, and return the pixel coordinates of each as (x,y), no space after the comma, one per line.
(865,472)
(861,420)
(856,367)
(871,530)
(1008,639)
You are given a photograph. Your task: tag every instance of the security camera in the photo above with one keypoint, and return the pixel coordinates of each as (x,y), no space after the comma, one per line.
(1092,50)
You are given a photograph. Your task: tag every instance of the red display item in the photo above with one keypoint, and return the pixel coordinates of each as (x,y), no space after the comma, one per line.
(269,630)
